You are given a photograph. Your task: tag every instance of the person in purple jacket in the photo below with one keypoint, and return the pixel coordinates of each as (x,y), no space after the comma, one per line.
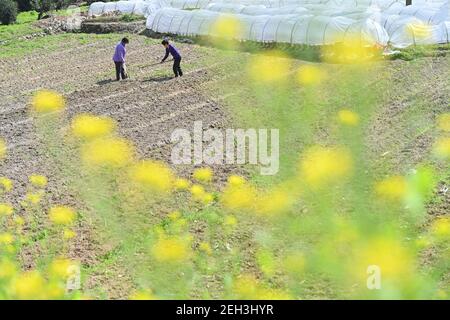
(170,49)
(119,59)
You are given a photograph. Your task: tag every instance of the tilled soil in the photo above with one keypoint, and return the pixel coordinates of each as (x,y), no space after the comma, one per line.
(147,108)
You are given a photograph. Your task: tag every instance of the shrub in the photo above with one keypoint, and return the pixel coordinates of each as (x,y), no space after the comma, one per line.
(8,11)
(25,5)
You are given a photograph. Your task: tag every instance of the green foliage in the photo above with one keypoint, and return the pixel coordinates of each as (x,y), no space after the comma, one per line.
(25,5)
(44,6)
(8,11)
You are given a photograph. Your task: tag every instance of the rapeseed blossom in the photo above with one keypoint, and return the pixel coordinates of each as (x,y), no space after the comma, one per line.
(153,175)
(46,101)
(311,75)
(227,27)
(320,166)
(203,175)
(39,181)
(392,188)
(269,68)
(442,147)
(6,209)
(443,122)
(2,148)
(87,126)
(29,285)
(441,227)
(181,184)
(238,196)
(6,184)
(171,249)
(62,215)
(348,117)
(108,152)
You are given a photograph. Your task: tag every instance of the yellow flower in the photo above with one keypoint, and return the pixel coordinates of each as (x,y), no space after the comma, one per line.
(154,175)
(19,221)
(348,117)
(38,180)
(29,285)
(142,295)
(392,188)
(274,202)
(310,75)
(208,198)
(269,68)
(443,122)
(393,259)
(174,215)
(181,184)
(442,147)
(110,152)
(7,269)
(418,30)
(230,220)
(171,249)
(87,126)
(441,227)
(197,192)
(203,174)
(33,198)
(321,166)
(6,238)
(69,234)
(352,50)
(205,247)
(60,267)
(246,287)
(6,184)
(236,181)
(238,196)
(6,209)
(61,215)
(227,27)
(47,101)
(2,148)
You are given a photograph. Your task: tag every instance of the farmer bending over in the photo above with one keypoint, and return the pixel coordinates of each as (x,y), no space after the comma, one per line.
(170,49)
(119,59)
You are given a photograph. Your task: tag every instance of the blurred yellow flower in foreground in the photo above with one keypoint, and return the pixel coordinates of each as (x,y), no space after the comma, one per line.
(142,295)
(47,101)
(320,166)
(236,181)
(443,122)
(352,50)
(206,248)
(247,287)
(230,220)
(60,267)
(442,147)
(393,259)
(181,184)
(6,184)
(238,196)
(6,238)
(154,175)
(33,198)
(203,174)
(87,126)
(197,192)
(311,75)
(69,234)
(38,180)
(418,30)
(274,202)
(173,249)
(227,27)
(441,227)
(29,285)
(6,209)
(348,117)
(7,269)
(19,221)
(61,215)
(392,188)
(269,68)
(109,152)
(2,148)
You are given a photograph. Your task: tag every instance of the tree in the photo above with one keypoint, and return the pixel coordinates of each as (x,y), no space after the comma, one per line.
(44,6)
(25,5)
(8,11)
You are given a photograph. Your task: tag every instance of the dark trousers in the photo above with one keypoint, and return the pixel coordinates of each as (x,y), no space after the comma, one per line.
(177,68)
(120,71)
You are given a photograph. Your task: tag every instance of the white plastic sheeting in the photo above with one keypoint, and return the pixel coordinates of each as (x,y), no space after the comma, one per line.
(313,22)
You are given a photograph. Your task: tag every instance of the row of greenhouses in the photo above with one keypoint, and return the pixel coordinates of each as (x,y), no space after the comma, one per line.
(311,22)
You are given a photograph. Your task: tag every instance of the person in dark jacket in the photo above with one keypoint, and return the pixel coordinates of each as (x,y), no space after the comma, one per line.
(170,49)
(119,59)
